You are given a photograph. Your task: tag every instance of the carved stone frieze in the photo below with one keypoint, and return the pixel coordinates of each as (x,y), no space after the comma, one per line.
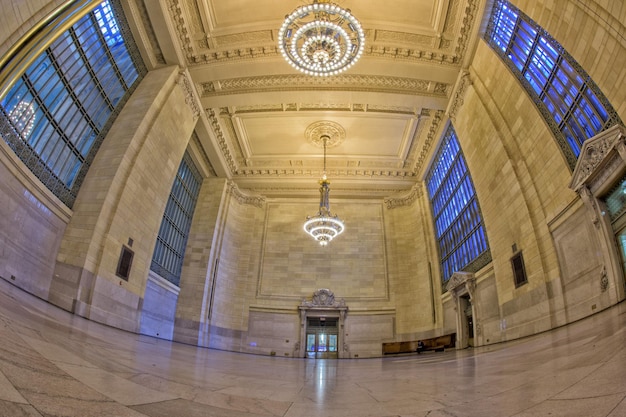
(407,200)
(254,200)
(459,95)
(303,107)
(176,13)
(436,120)
(184,81)
(221,140)
(244,38)
(467,24)
(352,82)
(403,37)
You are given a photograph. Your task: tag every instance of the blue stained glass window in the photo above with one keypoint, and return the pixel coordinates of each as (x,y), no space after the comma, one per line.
(58,112)
(167,259)
(574,107)
(458,223)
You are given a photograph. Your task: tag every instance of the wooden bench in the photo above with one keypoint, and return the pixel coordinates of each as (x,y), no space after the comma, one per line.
(436,344)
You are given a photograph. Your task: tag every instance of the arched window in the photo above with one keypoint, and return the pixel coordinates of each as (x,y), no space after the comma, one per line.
(459,226)
(58,112)
(570,102)
(169,252)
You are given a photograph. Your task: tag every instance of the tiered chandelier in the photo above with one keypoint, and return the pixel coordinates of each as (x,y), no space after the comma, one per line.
(321,38)
(324,226)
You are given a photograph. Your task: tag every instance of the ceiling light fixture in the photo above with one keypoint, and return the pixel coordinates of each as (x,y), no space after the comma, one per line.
(323,226)
(321,38)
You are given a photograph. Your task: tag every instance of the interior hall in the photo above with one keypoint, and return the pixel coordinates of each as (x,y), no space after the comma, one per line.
(312,208)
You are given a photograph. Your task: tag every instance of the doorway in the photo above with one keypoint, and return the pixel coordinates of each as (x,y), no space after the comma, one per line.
(322,335)
(469,319)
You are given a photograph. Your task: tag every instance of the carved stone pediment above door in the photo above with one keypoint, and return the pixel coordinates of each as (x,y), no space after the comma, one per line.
(322,308)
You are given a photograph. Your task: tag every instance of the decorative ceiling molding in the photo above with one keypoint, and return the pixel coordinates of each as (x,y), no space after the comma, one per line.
(334,173)
(343,82)
(186,84)
(294,107)
(290,190)
(407,200)
(333,131)
(468,21)
(437,118)
(458,97)
(243,198)
(381,43)
(221,140)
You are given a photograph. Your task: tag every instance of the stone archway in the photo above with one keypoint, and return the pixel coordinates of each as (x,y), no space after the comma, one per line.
(461,287)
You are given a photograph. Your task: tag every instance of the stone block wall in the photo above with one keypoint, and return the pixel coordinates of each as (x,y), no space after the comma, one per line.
(121,203)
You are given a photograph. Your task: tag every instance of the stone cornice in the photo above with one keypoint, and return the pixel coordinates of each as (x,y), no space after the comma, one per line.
(458,96)
(407,200)
(431,138)
(254,200)
(184,81)
(382,44)
(221,140)
(347,82)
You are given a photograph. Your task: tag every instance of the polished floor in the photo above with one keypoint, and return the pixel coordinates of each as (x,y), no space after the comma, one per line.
(56,364)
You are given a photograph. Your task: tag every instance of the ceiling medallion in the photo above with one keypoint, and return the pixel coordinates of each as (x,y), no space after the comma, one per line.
(332,131)
(321,39)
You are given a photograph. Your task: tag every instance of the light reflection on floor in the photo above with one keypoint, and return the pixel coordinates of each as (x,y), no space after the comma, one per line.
(56,364)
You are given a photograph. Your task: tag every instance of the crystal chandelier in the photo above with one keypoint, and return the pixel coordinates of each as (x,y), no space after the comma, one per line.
(323,226)
(321,38)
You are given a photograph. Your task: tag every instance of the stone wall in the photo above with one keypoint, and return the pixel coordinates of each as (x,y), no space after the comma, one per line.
(121,203)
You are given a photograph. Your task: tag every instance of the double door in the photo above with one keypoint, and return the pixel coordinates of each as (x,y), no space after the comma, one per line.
(322,338)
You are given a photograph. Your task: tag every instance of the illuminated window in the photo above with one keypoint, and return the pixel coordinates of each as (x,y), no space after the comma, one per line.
(458,223)
(167,260)
(570,102)
(58,112)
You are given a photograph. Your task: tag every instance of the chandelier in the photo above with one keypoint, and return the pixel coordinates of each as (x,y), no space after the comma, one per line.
(323,226)
(321,39)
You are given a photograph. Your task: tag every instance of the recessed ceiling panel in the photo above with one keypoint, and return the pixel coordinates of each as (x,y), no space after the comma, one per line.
(283,135)
(393,14)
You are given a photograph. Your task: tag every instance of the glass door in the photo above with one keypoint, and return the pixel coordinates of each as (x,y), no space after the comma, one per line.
(321,338)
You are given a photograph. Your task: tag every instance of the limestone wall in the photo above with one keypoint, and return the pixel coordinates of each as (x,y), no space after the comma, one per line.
(121,203)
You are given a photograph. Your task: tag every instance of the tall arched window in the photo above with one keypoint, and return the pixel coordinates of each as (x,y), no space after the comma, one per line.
(58,112)
(167,259)
(459,226)
(570,102)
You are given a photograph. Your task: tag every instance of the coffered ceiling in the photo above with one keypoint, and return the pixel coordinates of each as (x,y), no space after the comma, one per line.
(390,106)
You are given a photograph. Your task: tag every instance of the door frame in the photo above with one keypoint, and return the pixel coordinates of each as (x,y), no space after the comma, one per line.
(323,305)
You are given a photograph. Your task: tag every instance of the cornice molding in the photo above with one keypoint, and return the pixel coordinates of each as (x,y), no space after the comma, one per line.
(458,97)
(185,83)
(382,44)
(407,200)
(431,138)
(221,140)
(347,82)
(243,198)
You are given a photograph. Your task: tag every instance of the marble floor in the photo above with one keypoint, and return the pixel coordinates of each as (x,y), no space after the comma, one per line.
(55,364)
